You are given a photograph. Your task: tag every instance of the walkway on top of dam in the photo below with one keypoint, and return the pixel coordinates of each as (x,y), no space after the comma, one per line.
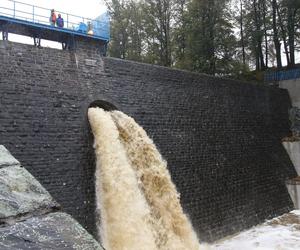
(34,21)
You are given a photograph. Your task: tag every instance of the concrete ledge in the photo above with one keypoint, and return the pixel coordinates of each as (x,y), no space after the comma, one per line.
(6,159)
(293,187)
(293,87)
(293,150)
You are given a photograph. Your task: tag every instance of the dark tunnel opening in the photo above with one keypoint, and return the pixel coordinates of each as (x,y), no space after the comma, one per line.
(107,106)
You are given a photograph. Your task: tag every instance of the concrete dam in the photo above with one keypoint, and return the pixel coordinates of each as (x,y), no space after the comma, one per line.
(221,138)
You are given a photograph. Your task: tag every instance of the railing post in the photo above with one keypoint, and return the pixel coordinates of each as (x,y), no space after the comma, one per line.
(32,13)
(67,20)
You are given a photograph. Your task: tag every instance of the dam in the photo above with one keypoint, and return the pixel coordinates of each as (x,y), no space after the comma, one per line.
(220,137)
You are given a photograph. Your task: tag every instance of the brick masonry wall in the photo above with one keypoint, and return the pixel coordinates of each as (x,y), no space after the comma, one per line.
(221,138)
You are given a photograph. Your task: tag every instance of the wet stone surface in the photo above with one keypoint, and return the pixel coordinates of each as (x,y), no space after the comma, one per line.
(54,231)
(21,194)
(6,159)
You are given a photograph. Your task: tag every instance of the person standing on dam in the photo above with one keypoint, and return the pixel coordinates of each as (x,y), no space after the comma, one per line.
(52,18)
(60,21)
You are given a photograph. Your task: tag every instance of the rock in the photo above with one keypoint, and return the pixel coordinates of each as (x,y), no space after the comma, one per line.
(6,159)
(22,195)
(53,231)
(28,217)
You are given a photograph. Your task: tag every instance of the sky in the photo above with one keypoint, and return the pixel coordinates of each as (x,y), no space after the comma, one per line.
(85,8)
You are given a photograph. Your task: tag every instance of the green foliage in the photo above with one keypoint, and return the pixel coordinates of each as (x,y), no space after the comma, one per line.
(211,44)
(219,37)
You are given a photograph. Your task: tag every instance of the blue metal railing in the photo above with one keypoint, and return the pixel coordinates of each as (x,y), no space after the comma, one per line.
(39,15)
(277,76)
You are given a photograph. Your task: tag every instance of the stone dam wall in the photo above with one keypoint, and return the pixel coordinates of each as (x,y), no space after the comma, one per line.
(221,138)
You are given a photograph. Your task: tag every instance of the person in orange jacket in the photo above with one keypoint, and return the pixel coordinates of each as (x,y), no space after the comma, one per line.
(52,18)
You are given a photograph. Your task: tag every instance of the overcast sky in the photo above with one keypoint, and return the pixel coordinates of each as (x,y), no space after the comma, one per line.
(85,8)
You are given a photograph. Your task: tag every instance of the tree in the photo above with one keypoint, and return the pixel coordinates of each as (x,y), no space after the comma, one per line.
(136,33)
(292,7)
(265,9)
(275,34)
(127,33)
(179,35)
(258,34)
(241,20)
(218,37)
(119,24)
(210,38)
(158,16)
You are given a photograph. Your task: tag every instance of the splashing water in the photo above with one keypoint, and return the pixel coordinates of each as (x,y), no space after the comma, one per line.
(138,202)
(123,208)
(173,228)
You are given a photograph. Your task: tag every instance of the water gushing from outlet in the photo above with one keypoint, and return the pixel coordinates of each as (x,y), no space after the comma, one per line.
(138,202)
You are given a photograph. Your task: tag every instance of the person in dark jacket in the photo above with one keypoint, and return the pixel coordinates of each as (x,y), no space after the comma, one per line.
(60,21)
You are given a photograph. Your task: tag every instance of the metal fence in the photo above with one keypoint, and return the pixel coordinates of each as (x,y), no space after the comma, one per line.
(277,76)
(39,15)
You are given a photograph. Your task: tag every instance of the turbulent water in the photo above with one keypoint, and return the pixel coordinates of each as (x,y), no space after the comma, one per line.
(137,200)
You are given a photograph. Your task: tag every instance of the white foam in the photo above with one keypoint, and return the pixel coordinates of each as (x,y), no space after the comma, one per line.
(282,235)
